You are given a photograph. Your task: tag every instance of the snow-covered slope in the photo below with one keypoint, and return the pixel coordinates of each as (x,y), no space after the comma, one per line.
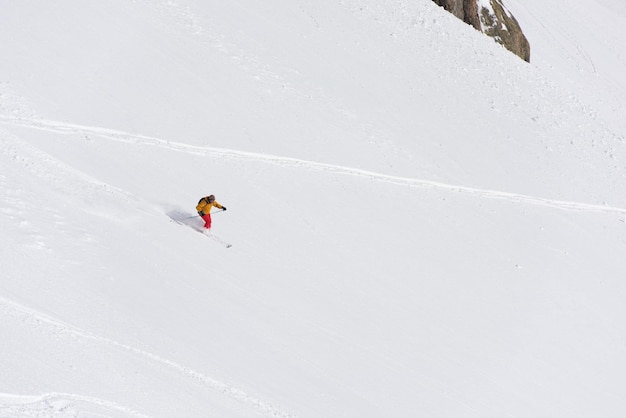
(422,224)
(581,45)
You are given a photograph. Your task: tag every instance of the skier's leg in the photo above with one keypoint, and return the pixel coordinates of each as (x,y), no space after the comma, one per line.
(207,220)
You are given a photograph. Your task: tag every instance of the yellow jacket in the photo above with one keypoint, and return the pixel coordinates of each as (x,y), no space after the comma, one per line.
(204,206)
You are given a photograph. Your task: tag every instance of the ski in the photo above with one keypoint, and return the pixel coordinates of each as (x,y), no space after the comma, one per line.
(196,227)
(216,239)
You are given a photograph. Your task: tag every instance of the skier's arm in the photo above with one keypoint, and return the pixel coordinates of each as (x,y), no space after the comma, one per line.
(200,208)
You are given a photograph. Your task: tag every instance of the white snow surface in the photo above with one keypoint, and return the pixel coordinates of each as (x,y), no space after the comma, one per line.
(422,224)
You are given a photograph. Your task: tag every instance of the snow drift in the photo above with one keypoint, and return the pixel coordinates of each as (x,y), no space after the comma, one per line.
(422,224)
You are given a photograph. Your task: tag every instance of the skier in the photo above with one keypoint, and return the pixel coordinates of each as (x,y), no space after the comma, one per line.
(204,209)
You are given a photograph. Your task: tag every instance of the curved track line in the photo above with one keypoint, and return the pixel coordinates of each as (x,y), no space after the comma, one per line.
(121,136)
(12,405)
(230,391)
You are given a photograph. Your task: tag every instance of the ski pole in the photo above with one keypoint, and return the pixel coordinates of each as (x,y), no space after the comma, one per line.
(197,216)
(188,217)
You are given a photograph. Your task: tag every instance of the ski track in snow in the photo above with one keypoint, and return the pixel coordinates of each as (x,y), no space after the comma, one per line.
(60,404)
(68,128)
(16,402)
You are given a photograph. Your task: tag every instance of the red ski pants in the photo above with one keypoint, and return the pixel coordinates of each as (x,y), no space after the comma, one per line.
(207,220)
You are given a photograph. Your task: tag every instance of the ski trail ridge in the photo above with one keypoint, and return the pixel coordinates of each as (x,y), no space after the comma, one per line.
(120,136)
(59,404)
(41,319)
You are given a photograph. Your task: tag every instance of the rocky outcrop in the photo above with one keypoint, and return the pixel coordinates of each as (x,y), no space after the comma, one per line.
(493,19)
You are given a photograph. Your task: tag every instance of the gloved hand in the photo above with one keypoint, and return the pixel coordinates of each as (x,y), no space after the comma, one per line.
(223,207)
(201,213)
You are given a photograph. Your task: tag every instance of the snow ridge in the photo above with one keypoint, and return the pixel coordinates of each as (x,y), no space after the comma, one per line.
(116,135)
(42,320)
(65,404)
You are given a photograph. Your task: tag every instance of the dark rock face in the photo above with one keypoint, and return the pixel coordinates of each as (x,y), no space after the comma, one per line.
(493,19)
(503,27)
(453,6)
